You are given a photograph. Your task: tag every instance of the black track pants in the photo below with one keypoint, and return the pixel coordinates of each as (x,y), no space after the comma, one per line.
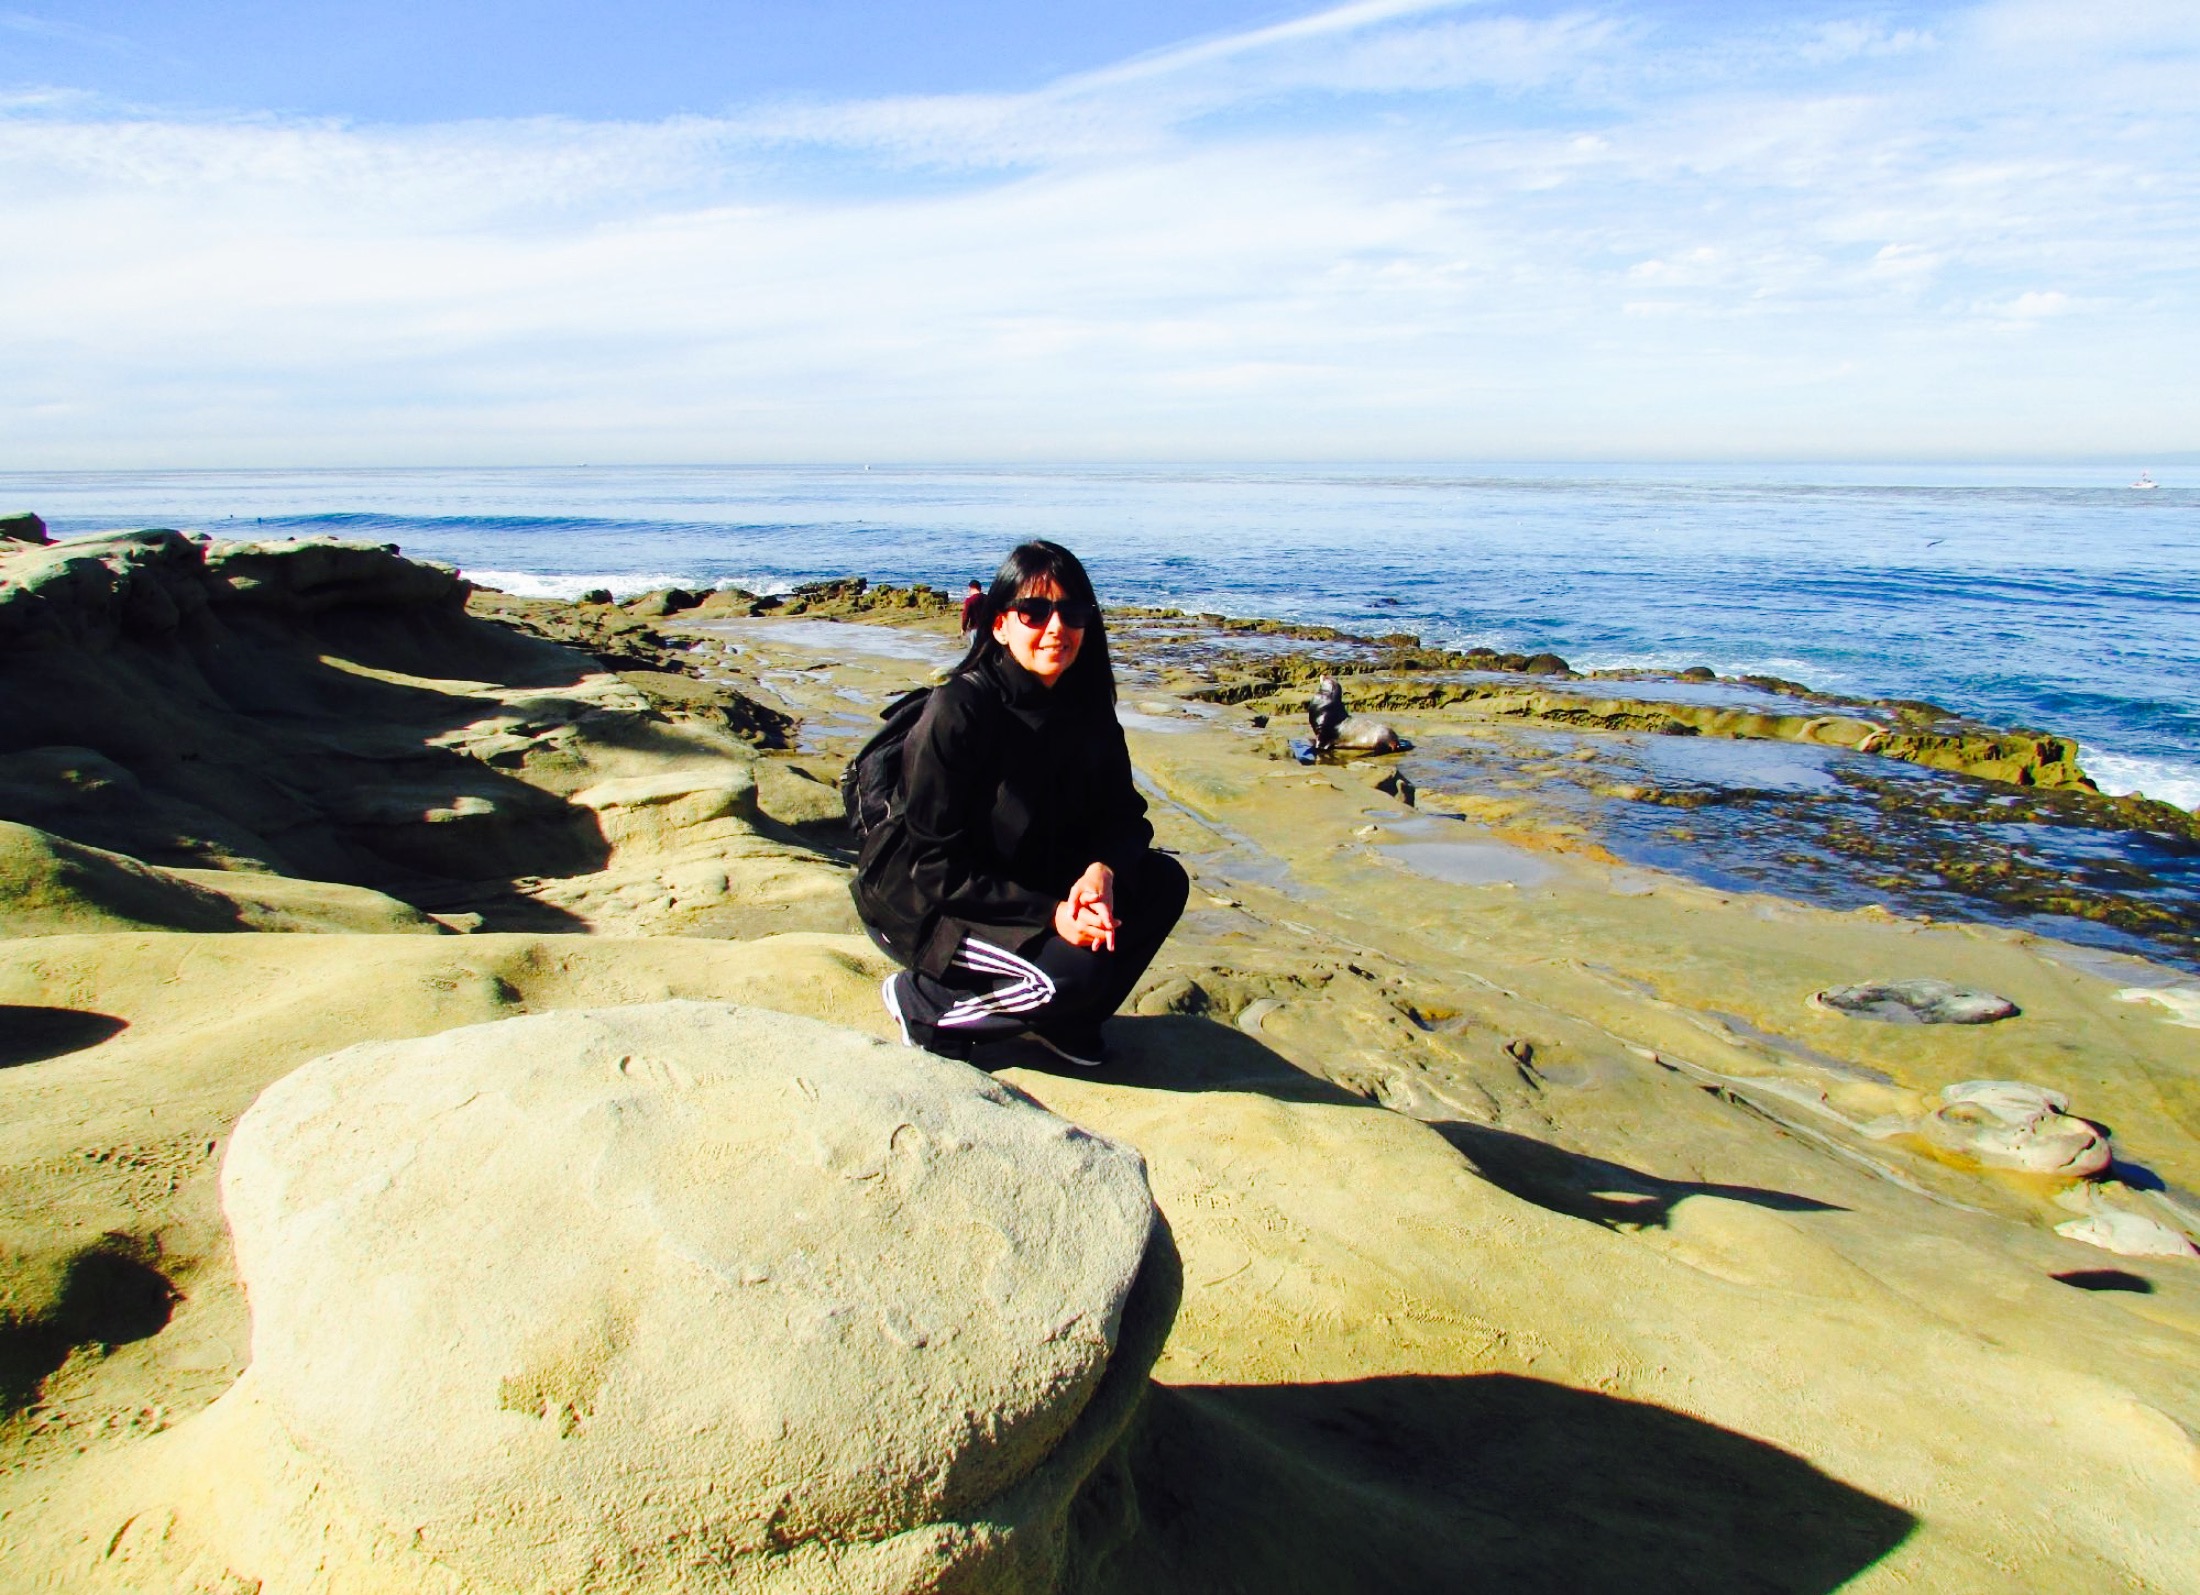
(990,993)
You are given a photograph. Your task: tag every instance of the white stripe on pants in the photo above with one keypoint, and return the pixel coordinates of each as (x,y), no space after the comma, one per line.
(1025,985)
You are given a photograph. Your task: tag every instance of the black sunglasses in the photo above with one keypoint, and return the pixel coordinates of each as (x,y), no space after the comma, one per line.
(1036,612)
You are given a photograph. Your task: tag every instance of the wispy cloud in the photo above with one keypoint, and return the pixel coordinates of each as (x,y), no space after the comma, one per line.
(1388,229)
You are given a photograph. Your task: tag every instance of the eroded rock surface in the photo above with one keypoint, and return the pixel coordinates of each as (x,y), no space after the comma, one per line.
(330,711)
(685,1296)
(2008,1124)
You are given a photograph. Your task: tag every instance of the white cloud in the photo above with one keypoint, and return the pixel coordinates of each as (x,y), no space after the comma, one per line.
(1385,230)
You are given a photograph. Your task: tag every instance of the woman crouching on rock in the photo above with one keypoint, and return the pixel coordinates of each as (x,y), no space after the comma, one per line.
(1021,891)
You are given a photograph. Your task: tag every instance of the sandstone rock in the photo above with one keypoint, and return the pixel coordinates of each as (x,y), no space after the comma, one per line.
(2182,1002)
(793,796)
(660,812)
(50,886)
(23,527)
(1915,1002)
(684,697)
(1391,781)
(308,576)
(2019,758)
(2007,1124)
(688,1296)
(85,796)
(663,601)
(2127,1234)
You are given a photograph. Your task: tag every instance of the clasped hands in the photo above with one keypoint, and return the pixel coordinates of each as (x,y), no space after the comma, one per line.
(1086,918)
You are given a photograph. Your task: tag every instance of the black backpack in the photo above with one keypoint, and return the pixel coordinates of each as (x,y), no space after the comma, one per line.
(870,788)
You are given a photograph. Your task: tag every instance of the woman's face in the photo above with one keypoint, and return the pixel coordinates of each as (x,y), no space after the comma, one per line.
(1045,651)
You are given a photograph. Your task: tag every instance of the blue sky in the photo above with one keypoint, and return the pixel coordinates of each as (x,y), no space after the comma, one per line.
(436,60)
(520,231)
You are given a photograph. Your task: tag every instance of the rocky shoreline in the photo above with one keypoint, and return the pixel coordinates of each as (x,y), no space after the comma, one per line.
(386,964)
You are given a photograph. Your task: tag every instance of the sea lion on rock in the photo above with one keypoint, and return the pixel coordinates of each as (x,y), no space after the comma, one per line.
(1915,1002)
(1325,712)
(1335,727)
(1356,735)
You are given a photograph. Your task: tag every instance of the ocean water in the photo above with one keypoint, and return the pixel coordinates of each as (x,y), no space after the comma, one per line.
(2057,598)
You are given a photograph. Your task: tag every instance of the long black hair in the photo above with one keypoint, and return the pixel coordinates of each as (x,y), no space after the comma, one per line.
(1028,564)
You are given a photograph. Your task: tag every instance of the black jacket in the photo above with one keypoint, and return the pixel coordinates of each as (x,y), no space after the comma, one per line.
(1012,789)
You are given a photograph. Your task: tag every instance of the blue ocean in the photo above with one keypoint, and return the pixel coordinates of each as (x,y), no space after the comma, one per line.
(2063,598)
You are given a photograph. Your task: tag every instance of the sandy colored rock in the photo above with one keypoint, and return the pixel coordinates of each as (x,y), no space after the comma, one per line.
(1648,1302)
(2127,1235)
(50,886)
(2008,1124)
(657,811)
(331,711)
(793,796)
(686,1295)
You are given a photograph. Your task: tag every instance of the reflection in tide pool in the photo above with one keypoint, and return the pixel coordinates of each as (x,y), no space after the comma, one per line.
(1472,863)
(1841,829)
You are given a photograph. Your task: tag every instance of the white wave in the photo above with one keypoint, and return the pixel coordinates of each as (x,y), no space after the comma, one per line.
(620,584)
(1816,675)
(2122,774)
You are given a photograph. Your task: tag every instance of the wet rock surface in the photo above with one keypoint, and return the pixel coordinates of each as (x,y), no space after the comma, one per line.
(1749,783)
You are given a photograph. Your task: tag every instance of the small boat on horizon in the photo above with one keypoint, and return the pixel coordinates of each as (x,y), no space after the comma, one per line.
(2145,484)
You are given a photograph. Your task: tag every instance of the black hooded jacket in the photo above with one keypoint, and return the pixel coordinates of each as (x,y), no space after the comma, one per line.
(1011,789)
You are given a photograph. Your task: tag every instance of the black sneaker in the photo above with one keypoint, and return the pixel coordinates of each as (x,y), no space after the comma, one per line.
(1078,1044)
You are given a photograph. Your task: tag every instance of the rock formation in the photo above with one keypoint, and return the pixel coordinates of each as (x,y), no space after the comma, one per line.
(673,1297)
(330,711)
(1537,1236)
(2006,1124)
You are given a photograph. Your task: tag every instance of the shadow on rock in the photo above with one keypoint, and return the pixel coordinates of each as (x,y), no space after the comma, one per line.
(2111,1279)
(1179,1053)
(110,1295)
(1579,1186)
(1175,1052)
(30,1034)
(1491,1481)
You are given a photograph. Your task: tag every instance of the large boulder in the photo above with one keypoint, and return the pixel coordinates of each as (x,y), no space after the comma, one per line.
(689,1296)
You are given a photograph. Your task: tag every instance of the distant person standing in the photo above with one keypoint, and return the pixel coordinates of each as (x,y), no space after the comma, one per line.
(973,601)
